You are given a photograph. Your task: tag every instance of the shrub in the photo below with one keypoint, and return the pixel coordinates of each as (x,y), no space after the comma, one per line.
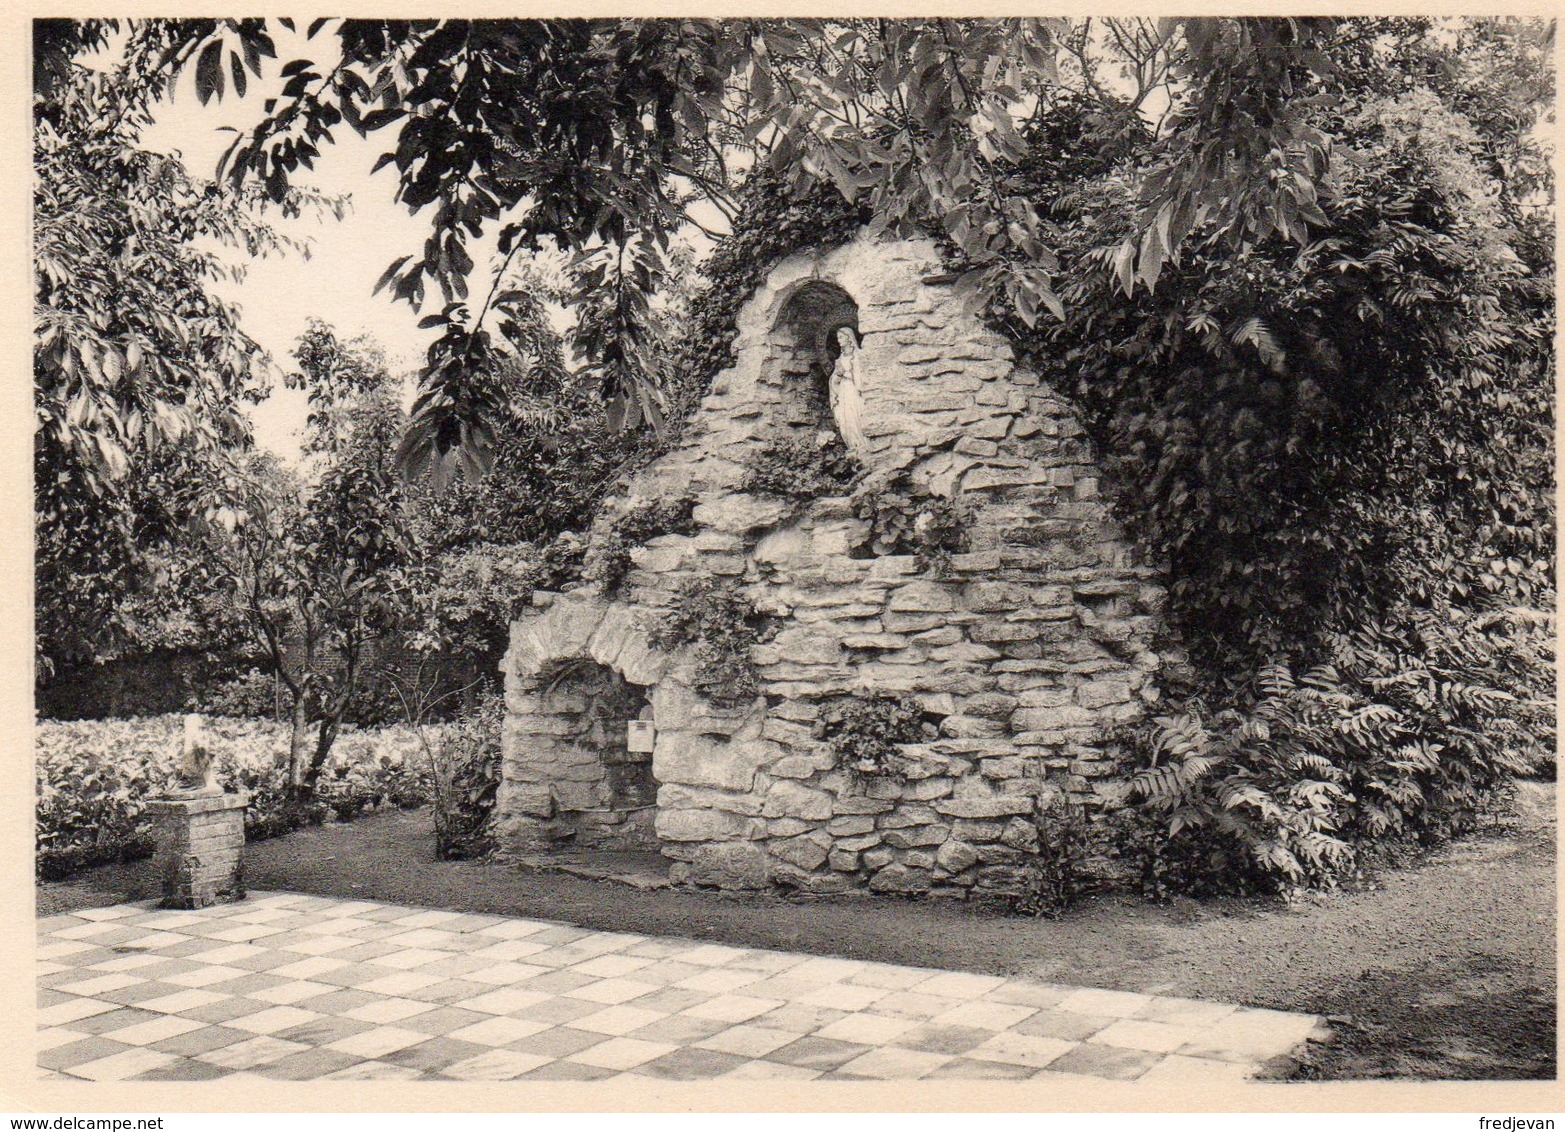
(907,519)
(803,467)
(716,619)
(865,731)
(465,766)
(1057,875)
(1403,734)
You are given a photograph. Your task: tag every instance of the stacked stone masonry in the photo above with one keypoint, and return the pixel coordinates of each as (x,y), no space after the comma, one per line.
(1024,651)
(199,858)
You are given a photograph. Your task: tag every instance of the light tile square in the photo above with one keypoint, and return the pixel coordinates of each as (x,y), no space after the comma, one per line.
(100,983)
(308,968)
(749,1041)
(895,1064)
(182,1000)
(1116,1004)
(402,982)
(504,974)
(621,1053)
(122,1066)
(389,1010)
(503,1001)
(1021,1049)
(733,1008)
(63,1013)
(1154,1037)
(867,1029)
(617,1020)
(378,1042)
(155,1030)
(985,1015)
(957,984)
(289,993)
(613,991)
(496,1065)
(273,1020)
(498,1031)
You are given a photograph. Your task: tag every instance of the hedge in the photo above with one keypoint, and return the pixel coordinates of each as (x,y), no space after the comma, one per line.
(95,776)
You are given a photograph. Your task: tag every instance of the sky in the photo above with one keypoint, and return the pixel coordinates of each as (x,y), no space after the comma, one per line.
(280,294)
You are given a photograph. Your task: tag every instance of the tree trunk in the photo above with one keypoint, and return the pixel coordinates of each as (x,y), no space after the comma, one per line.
(299,750)
(323,741)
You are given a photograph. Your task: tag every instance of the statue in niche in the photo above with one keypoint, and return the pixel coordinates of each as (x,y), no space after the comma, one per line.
(845,390)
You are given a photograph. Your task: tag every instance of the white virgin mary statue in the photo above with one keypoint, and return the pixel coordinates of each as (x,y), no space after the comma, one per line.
(845,390)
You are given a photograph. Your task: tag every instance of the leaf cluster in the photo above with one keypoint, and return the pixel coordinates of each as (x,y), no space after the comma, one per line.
(865,733)
(713,617)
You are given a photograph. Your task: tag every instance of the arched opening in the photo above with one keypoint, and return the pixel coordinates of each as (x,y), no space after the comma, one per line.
(805,336)
(596,756)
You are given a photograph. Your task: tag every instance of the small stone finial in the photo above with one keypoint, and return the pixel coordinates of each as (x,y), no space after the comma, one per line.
(194,769)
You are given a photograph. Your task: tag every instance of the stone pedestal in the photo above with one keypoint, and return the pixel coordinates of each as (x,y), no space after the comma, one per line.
(200,848)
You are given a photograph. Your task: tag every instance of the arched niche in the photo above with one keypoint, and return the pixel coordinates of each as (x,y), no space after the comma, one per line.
(805,341)
(603,788)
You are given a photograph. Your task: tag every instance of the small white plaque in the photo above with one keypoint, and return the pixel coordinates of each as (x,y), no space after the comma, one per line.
(639,735)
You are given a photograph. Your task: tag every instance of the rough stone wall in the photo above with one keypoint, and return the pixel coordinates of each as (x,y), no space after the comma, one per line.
(1023,651)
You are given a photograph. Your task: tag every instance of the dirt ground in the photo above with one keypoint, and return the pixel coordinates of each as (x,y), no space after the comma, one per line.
(1442,970)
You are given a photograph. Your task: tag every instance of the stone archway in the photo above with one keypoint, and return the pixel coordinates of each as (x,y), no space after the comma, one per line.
(602,793)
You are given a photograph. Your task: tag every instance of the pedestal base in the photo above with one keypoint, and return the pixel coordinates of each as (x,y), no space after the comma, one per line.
(200,848)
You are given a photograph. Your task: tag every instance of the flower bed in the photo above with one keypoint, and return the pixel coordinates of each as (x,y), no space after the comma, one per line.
(95,776)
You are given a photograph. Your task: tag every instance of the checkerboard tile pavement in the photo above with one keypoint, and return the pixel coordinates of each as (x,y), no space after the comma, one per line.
(293,987)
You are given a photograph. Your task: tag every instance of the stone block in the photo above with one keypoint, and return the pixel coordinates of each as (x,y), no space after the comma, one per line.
(916,836)
(899,878)
(705,825)
(801,852)
(791,799)
(921,597)
(955,856)
(731,865)
(698,760)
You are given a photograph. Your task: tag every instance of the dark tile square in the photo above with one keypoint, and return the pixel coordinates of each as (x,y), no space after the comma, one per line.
(1063,1024)
(558,1010)
(441,1020)
(935,1038)
(308,1065)
(678,1029)
(435,1054)
(324,1031)
(561,1041)
(114,1020)
(968,1069)
(80,1053)
(814,1052)
(204,1040)
(567,1071)
(452,990)
(185,1069)
(691,1064)
(1111,1062)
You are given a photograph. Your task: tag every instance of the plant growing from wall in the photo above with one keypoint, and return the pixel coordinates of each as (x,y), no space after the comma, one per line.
(803,467)
(865,731)
(906,518)
(713,617)
(608,555)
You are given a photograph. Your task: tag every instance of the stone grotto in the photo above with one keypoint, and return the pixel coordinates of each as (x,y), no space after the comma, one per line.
(1022,646)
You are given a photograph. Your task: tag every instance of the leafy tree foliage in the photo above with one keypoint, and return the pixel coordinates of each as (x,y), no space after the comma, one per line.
(595,136)
(141,373)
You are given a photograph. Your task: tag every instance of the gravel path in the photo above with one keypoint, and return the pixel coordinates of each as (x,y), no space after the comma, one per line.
(1444,970)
